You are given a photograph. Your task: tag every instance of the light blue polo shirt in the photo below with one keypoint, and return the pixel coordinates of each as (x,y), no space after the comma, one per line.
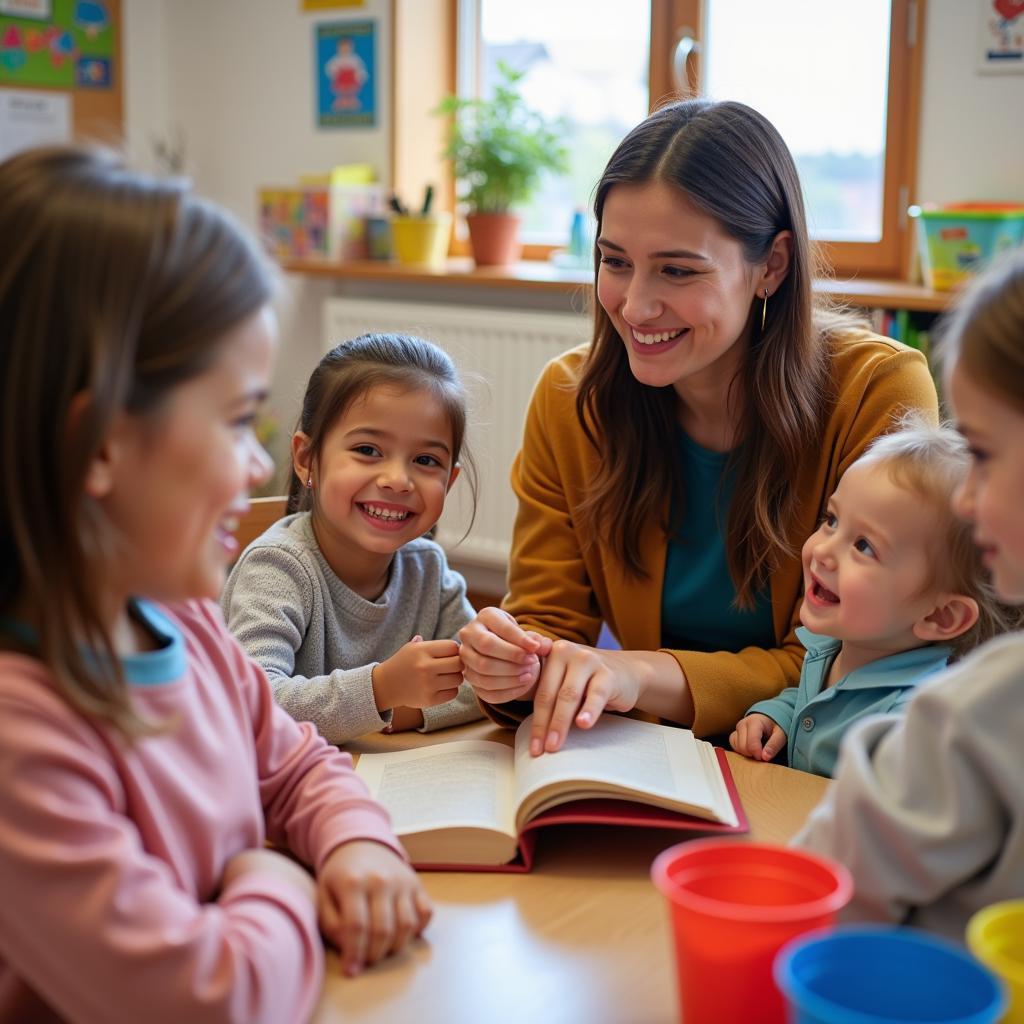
(815,718)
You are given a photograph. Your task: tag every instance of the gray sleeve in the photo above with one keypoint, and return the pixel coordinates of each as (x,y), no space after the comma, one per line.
(914,811)
(456,610)
(463,708)
(268,603)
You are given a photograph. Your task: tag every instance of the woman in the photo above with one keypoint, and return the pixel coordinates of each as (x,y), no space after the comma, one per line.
(671,470)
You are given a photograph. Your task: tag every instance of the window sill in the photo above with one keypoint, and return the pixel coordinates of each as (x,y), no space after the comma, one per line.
(538,275)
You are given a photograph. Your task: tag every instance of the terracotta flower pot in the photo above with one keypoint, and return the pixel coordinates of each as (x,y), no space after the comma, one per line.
(494,238)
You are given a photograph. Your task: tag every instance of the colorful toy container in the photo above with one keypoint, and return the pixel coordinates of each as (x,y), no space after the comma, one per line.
(957,240)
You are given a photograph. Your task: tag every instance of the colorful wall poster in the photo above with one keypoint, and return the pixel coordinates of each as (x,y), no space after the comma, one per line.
(1001,36)
(74,44)
(346,74)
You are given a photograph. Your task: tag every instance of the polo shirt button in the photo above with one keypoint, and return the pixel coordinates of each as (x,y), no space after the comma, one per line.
(808,724)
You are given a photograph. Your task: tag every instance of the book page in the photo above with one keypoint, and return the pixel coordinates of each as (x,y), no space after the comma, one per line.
(463,784)
(659,764)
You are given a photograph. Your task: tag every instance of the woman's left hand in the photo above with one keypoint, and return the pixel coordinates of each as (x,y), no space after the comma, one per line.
(576,685)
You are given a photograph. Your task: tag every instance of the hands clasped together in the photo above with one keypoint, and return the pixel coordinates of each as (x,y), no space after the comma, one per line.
(370,903)
(568,683)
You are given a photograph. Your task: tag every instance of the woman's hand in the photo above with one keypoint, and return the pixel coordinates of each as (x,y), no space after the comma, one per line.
(757,736)
(370,903)
(577,684)
(501,661)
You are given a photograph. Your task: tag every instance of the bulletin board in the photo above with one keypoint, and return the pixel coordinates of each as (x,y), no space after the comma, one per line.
(72,47)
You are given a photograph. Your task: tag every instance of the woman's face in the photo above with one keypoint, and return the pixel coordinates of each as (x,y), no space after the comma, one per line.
(676,287)
(992,496)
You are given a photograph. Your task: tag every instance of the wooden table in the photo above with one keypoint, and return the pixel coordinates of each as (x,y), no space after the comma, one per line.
(583,939)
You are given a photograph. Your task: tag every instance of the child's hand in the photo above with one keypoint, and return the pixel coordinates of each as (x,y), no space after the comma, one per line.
(420,674)
(503,661)
(370,903)
(748,738)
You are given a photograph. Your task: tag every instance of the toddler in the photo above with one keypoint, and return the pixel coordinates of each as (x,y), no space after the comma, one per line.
(893,590)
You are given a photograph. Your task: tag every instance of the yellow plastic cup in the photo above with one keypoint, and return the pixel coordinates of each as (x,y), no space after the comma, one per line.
(421,240)
(995,935)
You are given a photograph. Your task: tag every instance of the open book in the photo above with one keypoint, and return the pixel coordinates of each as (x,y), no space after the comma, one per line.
(476,804)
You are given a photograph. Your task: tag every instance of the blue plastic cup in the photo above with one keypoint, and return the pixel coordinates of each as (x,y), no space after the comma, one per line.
(858,974)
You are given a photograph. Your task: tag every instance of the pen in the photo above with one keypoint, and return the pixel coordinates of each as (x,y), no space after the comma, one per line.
(396,205)
(428,198)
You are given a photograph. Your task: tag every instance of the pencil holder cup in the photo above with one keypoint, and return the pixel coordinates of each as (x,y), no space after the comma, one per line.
(866,974)
(421,240)
(995,935)
(733,905)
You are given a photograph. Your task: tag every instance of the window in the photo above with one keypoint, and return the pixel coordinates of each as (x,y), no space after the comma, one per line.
(840,82)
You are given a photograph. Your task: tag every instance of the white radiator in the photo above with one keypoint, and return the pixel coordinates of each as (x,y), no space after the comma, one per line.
(501,353)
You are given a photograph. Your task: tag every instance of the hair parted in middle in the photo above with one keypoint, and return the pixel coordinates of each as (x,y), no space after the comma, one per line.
(732,164)
(352,368)
(931,463)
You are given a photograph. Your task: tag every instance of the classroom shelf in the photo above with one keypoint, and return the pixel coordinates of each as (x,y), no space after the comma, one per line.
(537,275)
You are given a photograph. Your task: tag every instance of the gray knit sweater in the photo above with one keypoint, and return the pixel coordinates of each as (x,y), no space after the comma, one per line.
(318,641)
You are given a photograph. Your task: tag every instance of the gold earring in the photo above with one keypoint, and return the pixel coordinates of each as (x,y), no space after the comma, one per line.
(764,308)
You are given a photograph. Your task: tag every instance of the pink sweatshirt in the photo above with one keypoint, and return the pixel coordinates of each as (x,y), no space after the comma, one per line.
(111,854)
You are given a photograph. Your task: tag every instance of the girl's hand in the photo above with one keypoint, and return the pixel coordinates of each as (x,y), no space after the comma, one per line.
(370,903)
(419,674)
(502,661)
(576,685)
(748,738)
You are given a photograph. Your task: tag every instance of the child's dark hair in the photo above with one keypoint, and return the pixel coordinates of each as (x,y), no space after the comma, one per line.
(115,288)
(352,368)
(932,462)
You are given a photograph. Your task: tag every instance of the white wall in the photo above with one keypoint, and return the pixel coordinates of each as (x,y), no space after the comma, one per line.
(234,79)
(972,124)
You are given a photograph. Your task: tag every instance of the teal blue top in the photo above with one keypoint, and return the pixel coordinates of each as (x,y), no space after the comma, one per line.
(698,595)
(165,664)
(814,718)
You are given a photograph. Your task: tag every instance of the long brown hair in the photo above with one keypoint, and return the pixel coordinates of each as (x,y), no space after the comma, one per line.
(114,289)
(731,163)
(352,368)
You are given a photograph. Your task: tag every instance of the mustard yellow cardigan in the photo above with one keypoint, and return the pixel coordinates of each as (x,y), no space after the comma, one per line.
(561,590)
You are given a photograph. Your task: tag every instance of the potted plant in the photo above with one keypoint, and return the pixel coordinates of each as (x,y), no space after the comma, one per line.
(499,147)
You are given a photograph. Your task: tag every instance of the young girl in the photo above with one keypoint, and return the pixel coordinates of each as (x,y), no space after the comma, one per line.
(145,763)
(345,604)
(893,589)
(928,809)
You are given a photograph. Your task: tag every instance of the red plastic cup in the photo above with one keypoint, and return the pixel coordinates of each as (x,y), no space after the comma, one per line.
(734,904)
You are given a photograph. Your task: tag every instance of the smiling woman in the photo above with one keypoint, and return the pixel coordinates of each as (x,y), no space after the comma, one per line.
(671,471)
